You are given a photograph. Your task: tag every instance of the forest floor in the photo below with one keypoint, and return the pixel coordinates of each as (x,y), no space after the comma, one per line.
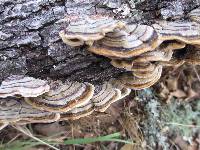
(163,117)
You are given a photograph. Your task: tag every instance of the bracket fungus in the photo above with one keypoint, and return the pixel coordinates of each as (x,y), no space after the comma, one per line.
(130,65)
(145,67)
(144,74)
(87,29)
(24,86)
(144,49)
(154,56)
(78,112)
(141,50)
(104,96)
(131,41)
(147,74)
(142,82)
(194,15)
(15,110)
(63,97)
(63,101)
(118,85)
(163,53)
(186,32)
(122,64)
(174,62)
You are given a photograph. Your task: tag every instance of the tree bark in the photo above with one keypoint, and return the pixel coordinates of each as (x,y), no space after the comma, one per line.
(30,44)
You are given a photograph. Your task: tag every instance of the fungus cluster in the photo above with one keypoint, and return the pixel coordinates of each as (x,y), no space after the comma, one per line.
(24,86)
(141,50)
(28,100)
(63,97)
(86,30)
(16,110)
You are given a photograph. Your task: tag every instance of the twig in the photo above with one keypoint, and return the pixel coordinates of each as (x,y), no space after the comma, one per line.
(28,133)
(3,126)
(179,124)
(13,139)
(195,70)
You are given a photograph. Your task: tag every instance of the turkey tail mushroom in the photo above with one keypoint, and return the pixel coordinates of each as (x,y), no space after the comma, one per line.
(145,67)
(143,81)
(194,15)
(122,64)
(163,53)
(87,29)
(131,41)
(78,112)
(24,86)
(129,65)
(174,62)
(118,85)
(150,74)
(63,97)
(187,32)
(15,110)
(104,96)
(154,56)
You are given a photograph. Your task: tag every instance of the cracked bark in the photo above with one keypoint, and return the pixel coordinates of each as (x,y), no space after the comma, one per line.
(30,44)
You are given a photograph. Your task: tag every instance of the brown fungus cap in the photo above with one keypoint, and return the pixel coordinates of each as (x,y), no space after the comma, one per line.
(154,56)
(186,32)
(78,112)
(130,65)
(130,41)
(122,64)
(45,119)
(24,86)
(145,78)
(141,83)
(146,74)
(119,85)
(15,110)
(104,96)
(146,67)
(174,62)
(63,97)
(87,29)
(163,53)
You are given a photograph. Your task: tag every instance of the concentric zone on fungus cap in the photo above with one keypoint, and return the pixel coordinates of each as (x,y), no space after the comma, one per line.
(87,29)
(16,110)
(127,43)
(24,86)
(63,97)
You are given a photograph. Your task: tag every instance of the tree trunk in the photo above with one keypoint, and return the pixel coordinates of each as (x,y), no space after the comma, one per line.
(30,44)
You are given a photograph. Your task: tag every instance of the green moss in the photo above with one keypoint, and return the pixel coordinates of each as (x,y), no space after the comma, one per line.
(183,117)
(178,117)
